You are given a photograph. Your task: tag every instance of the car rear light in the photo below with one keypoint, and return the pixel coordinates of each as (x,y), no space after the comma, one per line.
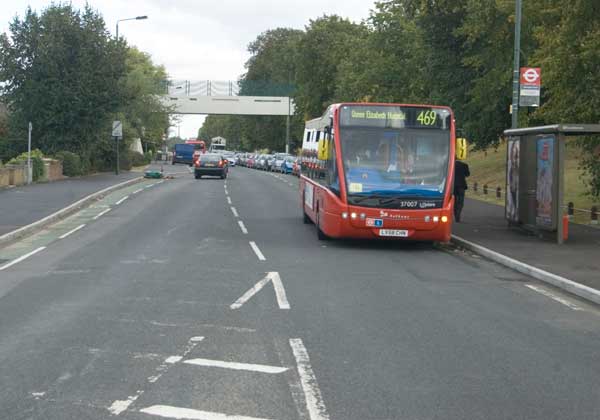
(221,164)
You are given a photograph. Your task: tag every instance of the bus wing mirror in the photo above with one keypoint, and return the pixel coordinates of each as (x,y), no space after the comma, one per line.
(461,148)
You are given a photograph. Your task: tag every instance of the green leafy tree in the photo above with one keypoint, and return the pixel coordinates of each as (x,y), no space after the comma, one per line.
(326,44)
(60,69)
(569,54)
(144,115)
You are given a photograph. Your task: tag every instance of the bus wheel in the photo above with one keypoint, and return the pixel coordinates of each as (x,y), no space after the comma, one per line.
(320,235)
(305,219)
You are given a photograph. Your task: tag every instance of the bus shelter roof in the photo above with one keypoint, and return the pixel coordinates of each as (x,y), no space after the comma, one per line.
(566,129)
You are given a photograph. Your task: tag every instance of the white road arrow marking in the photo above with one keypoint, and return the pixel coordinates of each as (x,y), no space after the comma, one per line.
(171,412)
(272,276)
(236,366)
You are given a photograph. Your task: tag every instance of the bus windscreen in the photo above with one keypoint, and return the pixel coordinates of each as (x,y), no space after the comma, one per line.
(386,163)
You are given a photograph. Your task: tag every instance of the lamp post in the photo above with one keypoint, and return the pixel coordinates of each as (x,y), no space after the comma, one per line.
(133,18)
(117,36)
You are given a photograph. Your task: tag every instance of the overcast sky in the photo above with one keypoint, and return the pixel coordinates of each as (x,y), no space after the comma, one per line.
(201,39)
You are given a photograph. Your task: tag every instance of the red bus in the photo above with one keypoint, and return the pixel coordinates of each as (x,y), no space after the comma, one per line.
(371,170)
(198,144)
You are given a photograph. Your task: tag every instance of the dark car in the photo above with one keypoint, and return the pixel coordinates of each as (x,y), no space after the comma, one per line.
(210,164)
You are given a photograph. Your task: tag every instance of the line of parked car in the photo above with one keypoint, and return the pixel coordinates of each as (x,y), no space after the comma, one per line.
(277,162)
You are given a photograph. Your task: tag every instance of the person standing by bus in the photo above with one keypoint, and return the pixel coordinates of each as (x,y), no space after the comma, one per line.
(461,172)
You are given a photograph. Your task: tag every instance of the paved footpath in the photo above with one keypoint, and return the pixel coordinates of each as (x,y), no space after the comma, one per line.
(23,205)
(577,259)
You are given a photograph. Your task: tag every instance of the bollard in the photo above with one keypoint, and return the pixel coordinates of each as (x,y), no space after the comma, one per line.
(594,215)
(498,192)
(485,189)
(570,210)
(475,186)
(565,231)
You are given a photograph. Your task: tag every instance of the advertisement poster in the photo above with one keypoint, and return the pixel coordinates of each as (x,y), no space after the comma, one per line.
(545,175)
(512,180)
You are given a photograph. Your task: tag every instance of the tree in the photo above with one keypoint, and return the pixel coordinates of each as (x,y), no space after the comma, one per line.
(60,71)
(569,54)
(326,44)
(144,115)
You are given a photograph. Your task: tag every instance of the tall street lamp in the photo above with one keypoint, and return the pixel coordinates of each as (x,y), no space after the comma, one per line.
(133,18)
(117,36)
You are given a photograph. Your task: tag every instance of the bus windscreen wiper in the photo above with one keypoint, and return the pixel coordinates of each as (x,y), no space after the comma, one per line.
(360,199)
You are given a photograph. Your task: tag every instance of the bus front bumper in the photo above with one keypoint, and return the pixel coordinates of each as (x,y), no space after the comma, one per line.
(367,223)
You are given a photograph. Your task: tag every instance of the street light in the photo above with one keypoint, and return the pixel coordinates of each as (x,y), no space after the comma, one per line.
(133,18)
(117,36)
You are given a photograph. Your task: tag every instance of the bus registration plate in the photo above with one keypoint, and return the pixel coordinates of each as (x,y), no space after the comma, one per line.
(393,232)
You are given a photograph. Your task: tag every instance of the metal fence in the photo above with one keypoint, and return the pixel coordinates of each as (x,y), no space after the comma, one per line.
(176,87)
(580,215)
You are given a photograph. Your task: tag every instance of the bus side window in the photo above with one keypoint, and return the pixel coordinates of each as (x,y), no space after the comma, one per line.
(332,172)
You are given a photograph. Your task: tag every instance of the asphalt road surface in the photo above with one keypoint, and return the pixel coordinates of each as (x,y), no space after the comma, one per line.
(209,299)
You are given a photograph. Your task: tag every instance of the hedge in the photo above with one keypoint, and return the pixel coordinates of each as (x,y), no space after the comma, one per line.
(37,163)
(71,163)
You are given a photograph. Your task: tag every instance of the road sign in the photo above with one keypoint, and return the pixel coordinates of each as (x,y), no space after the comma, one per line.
(531,76)
(530,85)
(117,129)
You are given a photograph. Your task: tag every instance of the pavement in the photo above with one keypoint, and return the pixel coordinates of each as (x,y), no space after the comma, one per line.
(204,299)
(26,204)
(577,259)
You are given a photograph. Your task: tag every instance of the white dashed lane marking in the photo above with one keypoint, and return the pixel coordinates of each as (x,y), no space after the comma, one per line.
(64,235)
(21,258)
(99,215)
(256,250)
(242,227)
(123,199)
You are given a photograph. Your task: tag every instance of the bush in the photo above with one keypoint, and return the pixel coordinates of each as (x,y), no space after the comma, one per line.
(148,157)
(136,159)
(37,163)
(125,161)
(71,163)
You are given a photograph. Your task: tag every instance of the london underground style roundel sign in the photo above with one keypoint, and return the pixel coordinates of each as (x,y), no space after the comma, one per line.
(531,76)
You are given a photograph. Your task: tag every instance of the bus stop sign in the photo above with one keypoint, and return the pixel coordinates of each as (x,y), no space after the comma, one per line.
(530,84)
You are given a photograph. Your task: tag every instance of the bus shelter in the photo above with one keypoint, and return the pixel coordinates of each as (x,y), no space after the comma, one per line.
(535,175)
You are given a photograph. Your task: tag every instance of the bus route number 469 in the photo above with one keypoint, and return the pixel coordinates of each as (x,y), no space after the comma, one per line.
(427,117)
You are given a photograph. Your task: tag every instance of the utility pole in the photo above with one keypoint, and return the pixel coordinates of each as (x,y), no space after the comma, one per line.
(287,129)
(516,65)
(29,169)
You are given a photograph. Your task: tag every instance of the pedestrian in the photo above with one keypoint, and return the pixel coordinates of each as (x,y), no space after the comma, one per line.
(461,172)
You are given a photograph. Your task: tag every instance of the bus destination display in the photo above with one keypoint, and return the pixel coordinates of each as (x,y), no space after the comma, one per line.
(394,117)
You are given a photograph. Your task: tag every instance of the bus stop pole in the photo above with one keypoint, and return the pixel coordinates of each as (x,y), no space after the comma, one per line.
(516,65)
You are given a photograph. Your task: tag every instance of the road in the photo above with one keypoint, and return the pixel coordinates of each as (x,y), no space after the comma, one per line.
(167,306)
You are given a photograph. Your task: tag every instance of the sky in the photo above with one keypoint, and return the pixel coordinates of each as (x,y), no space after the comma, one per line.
(201,39)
